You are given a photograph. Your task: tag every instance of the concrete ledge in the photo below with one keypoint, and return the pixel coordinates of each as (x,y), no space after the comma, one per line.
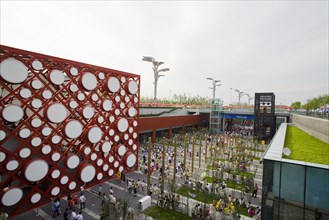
(316,127)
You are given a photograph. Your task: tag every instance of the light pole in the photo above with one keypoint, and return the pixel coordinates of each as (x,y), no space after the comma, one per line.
(249,98)
(240,93)
(156,71)
(214,85)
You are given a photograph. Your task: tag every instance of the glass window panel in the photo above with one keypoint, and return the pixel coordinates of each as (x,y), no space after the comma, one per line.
(292,183)
(276,179)
(317,190)
(288,212)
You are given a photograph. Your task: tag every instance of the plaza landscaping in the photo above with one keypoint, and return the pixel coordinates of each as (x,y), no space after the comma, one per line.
(305,147)
(164,214)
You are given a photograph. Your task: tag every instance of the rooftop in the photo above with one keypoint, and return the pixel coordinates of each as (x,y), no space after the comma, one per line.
(305,147)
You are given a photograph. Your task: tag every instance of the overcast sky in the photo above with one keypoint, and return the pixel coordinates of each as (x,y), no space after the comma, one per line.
(253,46)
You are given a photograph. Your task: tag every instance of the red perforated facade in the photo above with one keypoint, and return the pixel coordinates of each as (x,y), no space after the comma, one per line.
(63,124)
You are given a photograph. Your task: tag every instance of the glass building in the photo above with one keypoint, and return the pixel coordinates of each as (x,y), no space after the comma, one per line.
(293,189)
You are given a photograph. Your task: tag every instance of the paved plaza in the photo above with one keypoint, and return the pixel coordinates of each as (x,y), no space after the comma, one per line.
(93,200)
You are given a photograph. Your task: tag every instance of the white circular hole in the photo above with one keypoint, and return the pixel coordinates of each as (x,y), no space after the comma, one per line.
(122,124)
(89,81)
(122,92)
(135,99)
(111,159)
(94,134)
(105,167)
(13,71)
(64,180)
(123,79)
(57,113)
(132,87)
(35,198)
(2,135)
(37,65)
(127,99)
(99,162)
(81,96)
(12,113)
(72,185)
(101,75)
(131,130)
(117,98)
(12,196)
(55,157)
(99,176)
(100,119)
(107,105)
(47,94)
(112,118)
(87,150)
(2,156)
(126,136)
(135,123)
(36,170)
(74,71)
(113,84)
(36,103)
(111,132)
(73,161)
(134,147)
(116,164)
(55,174)
(56,139)
(111,172)
(88,173)
(25,93)
(36,122)
(46,149)
(55,191)
(74,87)
(106,146)
(132,112)
(73,129)
(25,152)
(36,141)
(135,135)
(12,165)
(25,133)
(121,168)
(88,112)
(117,112)
(36,84)
(122,105)
(121,150)
(93,156)
(130,142)
(57,77)
(73,104)
(131,160)
(46,131)
(116,138)
(94,97)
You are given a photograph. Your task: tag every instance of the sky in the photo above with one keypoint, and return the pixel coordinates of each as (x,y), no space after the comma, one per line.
(252,46)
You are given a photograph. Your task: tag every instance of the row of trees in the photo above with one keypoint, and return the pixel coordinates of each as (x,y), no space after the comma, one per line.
(180,99)
(314,103)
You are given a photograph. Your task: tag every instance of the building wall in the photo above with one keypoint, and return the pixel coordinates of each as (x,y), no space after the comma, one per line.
(316,127)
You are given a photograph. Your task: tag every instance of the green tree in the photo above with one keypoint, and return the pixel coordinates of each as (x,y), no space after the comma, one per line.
(316,102)
(296,105)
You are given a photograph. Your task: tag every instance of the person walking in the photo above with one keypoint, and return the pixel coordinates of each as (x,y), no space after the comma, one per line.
(66,214)
(82,201)
(79,216)
(100,189)
(73,215)
(254,194)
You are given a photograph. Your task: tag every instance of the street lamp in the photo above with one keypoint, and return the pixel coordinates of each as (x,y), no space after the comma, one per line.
(214,85)
(249,98)
(156,71)
(240,93)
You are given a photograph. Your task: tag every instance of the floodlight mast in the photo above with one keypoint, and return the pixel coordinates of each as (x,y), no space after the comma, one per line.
(240,93)
(214,85)
(156,71)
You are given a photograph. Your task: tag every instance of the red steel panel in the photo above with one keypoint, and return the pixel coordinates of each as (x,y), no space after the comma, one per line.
(63,124)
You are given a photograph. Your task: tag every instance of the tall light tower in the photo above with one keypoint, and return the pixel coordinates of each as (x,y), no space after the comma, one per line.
(249,98)
(156,71)
(214,85)
(240,93)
